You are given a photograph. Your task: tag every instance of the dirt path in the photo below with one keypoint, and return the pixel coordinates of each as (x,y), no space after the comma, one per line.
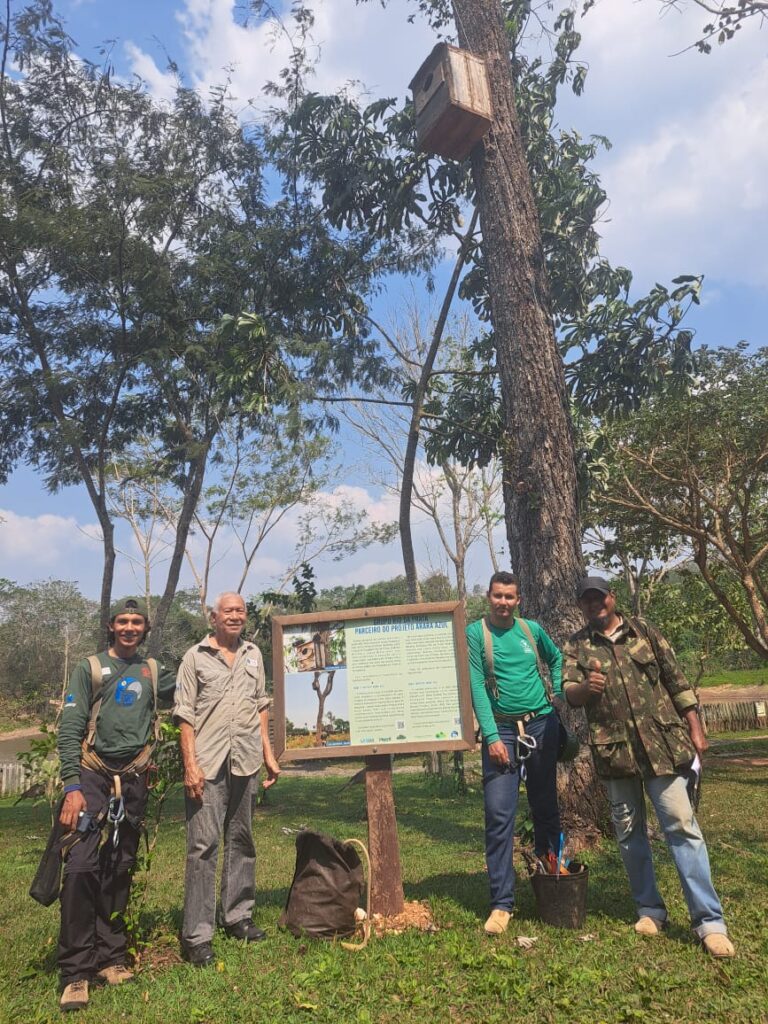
(724,694)
(21,734)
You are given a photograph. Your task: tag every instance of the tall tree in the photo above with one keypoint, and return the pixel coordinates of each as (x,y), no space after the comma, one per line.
(537,450)
(134,235)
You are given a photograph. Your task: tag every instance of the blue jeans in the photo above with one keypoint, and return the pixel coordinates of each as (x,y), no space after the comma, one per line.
(669,796)
(502,788)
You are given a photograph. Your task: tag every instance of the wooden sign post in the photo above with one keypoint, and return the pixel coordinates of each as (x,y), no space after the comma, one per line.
(372,682)
(387,896)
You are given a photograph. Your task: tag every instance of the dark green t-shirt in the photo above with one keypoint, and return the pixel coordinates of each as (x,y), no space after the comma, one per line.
(124,724)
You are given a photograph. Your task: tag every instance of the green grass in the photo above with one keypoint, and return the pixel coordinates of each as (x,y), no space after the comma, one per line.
(456,974)
(737,677)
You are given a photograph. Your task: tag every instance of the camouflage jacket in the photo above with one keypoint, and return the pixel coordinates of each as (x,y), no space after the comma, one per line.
(635,726)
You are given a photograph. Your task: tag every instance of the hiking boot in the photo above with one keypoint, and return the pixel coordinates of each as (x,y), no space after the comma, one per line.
(650,926)
(74,996)
(200,955)
(115,974)
(497,923)
(245,930)
(718,945)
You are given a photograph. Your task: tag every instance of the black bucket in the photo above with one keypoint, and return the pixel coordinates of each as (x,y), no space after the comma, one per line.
(561,900)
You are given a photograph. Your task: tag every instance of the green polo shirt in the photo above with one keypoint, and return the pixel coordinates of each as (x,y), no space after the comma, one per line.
(521,688)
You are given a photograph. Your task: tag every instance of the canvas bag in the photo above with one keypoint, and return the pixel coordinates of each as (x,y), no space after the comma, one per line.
(326,889)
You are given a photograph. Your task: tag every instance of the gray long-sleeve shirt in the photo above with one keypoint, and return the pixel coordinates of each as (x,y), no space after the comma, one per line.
(223,705)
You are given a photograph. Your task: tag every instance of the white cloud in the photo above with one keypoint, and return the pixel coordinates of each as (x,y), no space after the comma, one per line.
(692,196)
(49,543)
(685,178)
(162,84)
(357,42)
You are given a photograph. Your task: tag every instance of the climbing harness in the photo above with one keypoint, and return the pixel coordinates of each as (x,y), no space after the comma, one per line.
(116,810)
(525,747)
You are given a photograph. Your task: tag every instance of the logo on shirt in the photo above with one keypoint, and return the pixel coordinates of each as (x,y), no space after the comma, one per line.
(526,646)
(69,701)
(145,672)
(128,692)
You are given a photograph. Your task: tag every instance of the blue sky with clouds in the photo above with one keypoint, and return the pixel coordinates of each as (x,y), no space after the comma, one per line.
(686,179)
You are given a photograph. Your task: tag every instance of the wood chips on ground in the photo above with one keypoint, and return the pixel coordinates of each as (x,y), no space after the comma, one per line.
(416,914)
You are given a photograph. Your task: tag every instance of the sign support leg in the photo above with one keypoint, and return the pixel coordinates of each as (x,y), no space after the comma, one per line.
(386,874)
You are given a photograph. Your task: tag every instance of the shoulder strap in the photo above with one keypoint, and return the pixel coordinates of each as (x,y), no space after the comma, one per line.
(154,672)
(539,663)
(96,680)
(490,675)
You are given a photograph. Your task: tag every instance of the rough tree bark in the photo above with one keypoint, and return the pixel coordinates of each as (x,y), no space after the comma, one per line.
(537,450)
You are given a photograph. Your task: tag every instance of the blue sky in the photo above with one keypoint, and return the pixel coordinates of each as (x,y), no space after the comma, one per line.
(686,179)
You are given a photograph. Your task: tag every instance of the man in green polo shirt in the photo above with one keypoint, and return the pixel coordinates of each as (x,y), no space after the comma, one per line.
(520,735)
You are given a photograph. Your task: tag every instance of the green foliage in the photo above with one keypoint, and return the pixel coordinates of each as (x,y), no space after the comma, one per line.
(692,619)
(363,160)
(165,778)
(435,587)
(63,624)
(694,465)
(148,285)
(42,763)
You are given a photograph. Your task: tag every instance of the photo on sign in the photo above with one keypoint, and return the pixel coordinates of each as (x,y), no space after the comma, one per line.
(316,700)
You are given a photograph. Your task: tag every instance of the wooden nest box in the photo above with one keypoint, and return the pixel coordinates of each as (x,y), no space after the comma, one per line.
(452,100)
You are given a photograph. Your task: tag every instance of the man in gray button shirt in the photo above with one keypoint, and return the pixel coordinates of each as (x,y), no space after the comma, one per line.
(221,708)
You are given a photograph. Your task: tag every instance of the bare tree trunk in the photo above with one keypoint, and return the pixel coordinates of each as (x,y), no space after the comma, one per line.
(537,451)
(192,490)
(414,432)
(321,696)
(540,490)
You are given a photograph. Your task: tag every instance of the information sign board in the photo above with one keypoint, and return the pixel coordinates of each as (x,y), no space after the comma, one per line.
(371,681)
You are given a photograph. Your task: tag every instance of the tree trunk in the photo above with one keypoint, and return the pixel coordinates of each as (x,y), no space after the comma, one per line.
(322,693)
(540,491)
(414,430)
(537,450)
(108,572)
(194,486)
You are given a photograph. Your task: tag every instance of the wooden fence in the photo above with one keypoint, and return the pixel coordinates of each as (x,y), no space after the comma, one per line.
(735,716)
(13,778)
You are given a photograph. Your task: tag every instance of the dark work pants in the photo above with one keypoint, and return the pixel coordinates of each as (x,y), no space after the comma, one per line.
(97,882)
(501,789)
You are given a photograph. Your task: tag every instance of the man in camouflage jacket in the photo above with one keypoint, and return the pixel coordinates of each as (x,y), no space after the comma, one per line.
(644,732)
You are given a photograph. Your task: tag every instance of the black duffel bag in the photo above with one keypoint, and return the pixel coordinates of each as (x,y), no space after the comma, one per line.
(47,881)
(326,889)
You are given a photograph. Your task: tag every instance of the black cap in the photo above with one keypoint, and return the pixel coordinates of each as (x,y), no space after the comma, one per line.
(593,583)
(129,606)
